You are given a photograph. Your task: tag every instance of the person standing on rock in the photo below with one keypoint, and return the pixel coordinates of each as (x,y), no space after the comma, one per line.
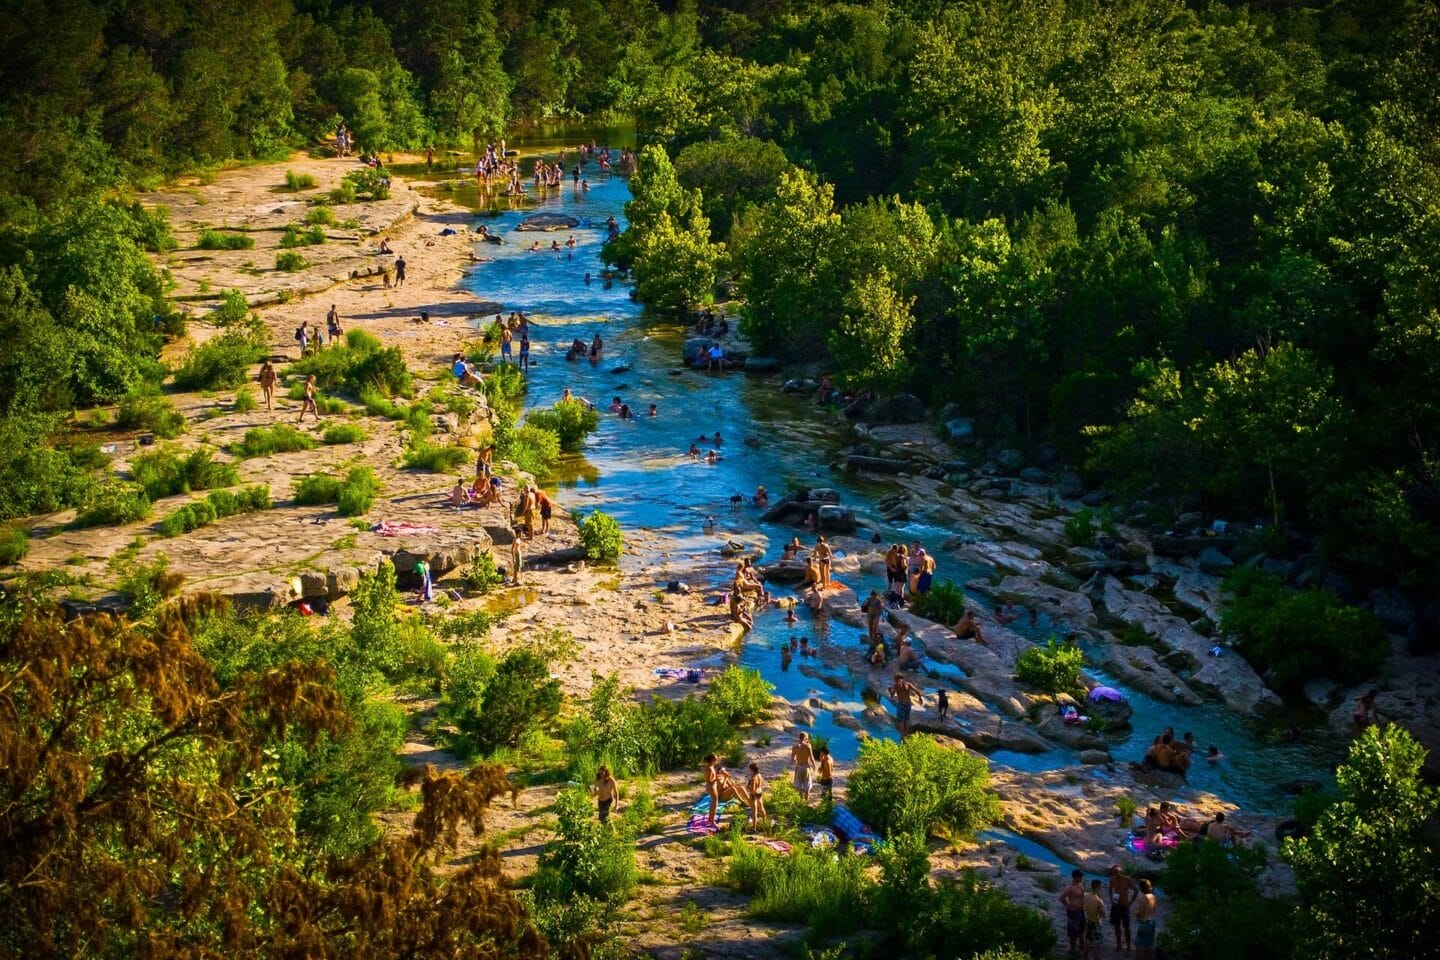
(712,786)
(517,557)
(1145,910)
(1122,894)
(942,704)
(1072,898)
(1094,922)
(906,695)
(874,609)
(824,556)
(267,384)
(399,272)
(310,405)
(506,337)
(802,755)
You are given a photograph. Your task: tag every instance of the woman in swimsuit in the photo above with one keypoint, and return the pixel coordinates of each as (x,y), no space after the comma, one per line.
(757,797)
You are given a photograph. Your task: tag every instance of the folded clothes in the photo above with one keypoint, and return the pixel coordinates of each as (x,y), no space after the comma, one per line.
(779,846)
(683,674)
(701,824)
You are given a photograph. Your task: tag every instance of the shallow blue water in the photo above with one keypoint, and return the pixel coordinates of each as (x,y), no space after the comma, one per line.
(639,472)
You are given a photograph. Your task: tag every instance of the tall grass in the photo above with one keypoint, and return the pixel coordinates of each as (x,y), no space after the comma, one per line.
(264,441)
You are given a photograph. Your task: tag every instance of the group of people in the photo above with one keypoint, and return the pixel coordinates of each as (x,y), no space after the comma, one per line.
(1164,826)
(1086,910)
(811,766)
(1175,756)
(513,333)
(554,245)
(909,572)
(593,351)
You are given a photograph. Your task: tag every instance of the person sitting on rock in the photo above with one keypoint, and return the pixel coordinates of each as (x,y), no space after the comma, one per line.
(968,628)
(458,496)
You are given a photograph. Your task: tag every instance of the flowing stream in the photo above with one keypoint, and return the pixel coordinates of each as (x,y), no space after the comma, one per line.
(639,471)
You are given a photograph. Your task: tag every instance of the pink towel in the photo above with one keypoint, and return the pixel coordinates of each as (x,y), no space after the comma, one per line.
(396,528)
(701,824)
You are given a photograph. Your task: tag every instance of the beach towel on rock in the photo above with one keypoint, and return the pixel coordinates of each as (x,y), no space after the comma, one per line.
(398,528)
(702,826)
(682,674)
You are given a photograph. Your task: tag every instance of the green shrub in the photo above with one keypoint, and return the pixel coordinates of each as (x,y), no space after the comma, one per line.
(482,575)
(357,493)
(244,401)
(435,457)
(377,405)
(382,641)
(297,236)
(264,441)
(344,193)
(367,182)
(1052,667)
(381,370)
(295,182)
(681,733)
(963,918)
(38,477)
(585,858)
(320,215)
(1084,526)
(601,537)
(112,501)
(570,420)
(146,408)
(918,786)
(944,603)
(811,887)
(533,450)
(217,240)
(165,472)
(234,310)
(1231,921)
(151,227)
(317,489)
(14,544)
(741,694)
(1285,633)
(521,696)
(504,383)
(222,363)
(290,262)
(343,433)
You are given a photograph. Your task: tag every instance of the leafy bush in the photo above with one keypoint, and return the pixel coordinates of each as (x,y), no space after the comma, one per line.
(533,450)
(382,642)
(570,420)
(381,370)
(296,236)
(112,501)
(295,182)
(1052,666)
(482,575)
(367,182)
(38,477)
(344,193)
(217,240)
(585,858)
(741,694)
(944,603)
(14,544)
(151,226)
(681,733)
(218,505)
(601,537)
(1230,922)
(290,262)
(244,401)
(377,405)
(918,786)
(353,496)
(165,472)
(343,433)
(521,696)
(813,887)
(1084,526)
(962,919)
(435,457)
(1284,633)
(264,441)
(504,383)
(146,408)
(320,215)
(221,363)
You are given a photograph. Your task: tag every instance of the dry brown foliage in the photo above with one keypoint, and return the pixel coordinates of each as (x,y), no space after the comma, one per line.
(141,815)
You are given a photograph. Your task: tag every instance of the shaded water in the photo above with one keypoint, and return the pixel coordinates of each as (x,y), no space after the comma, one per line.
(639,472)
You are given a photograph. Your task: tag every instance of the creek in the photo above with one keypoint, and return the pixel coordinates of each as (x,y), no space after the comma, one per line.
(639,472)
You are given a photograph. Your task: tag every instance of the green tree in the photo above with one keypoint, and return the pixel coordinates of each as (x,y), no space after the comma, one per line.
(868,341)
(675,264)
(1369,873)
(357,97)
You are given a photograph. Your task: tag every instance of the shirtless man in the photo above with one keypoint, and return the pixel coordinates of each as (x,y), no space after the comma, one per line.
(607,793)
(1221,832)
(1122,894)
(267,385)
(906,695)
(802,756)
(311,391)
(792,549)
(1072,898)
(968,628)
(874,609)
(824,556)
(1094,922)
(1145,909)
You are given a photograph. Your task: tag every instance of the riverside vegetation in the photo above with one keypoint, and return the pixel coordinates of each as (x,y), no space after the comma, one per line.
(1189,246)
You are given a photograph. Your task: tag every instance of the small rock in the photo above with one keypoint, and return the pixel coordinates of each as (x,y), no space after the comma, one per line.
(1094,758)
(1095,498)
(1342,586)
(1010,460)
(1071,486)
(1320,691)
(961,431)
(1034,475)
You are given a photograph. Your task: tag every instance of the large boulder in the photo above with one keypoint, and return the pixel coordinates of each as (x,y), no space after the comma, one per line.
(1063,606)
(1394,609)
(693,349)
(901,408)
(547,223)
(1010,461)
(1214,562)
(961,431)
(1071,486)
(762,364)
(1140,668)
(834,518)
(1109,714)
(1228,676)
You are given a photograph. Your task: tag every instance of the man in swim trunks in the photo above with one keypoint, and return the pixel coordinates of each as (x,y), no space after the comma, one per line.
(905,694)
(803,757)
(1122,894)
(968,628)
(1072,898)
(1094,919)
(823,558)
(1145,909)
